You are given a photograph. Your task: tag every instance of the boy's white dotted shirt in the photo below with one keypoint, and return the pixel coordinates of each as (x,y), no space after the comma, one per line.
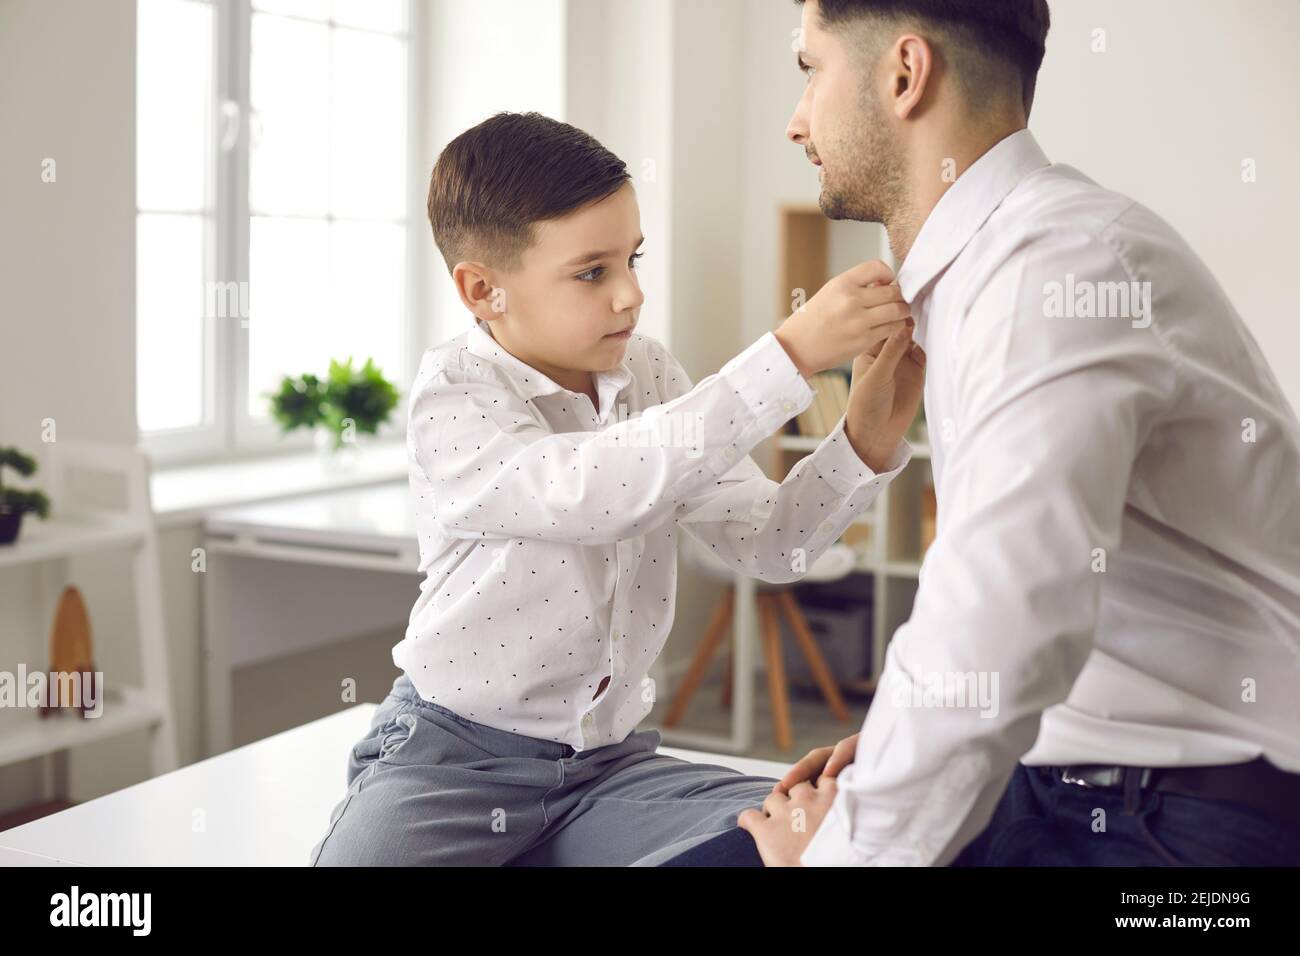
(546,526)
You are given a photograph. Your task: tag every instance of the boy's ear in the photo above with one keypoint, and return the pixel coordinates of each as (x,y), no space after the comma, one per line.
(473,281)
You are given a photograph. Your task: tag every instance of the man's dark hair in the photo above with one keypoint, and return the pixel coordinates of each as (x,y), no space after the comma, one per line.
(495,180)
(1012,32)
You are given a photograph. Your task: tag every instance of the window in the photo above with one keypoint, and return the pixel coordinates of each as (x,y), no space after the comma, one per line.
(274,189)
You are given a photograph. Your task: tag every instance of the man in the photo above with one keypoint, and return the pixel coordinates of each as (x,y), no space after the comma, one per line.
(1102,665)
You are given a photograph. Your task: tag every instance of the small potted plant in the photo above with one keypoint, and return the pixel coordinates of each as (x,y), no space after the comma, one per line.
(348,402)
(15,502)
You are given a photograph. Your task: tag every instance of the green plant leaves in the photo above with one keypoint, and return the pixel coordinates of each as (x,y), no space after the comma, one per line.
(362,396)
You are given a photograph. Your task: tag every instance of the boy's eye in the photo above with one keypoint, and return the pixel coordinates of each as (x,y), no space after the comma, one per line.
(594,274)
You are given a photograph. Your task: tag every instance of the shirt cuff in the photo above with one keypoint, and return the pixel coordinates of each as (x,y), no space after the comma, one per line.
(837,462)
(769,383)
(830,845)
(768,391)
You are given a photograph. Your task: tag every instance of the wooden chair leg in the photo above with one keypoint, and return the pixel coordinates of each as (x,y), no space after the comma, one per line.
(812,653)
(767,612)
(708,646)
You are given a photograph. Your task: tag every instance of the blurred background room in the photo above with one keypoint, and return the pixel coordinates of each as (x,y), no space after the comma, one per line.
(219,279)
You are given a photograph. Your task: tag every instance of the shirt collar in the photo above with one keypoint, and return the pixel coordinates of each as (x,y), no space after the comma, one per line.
(531,383)
(968,203)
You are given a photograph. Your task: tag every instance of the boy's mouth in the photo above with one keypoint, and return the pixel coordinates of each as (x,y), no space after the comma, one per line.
(625,334)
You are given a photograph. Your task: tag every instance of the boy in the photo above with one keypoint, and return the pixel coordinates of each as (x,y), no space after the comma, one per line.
(553,451)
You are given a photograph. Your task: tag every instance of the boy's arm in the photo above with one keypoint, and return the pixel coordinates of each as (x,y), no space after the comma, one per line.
(773,531)
(497,473)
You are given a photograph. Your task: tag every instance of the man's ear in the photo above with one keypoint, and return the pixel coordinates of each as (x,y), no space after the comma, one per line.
(911,63)
(477,291)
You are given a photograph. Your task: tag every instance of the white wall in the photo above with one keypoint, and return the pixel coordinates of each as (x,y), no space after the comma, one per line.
(1185,91)
(483,57)
(67,270)
(67,248)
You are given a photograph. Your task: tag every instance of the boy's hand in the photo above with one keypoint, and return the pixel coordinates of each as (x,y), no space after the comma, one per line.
(886,391)
(856,310)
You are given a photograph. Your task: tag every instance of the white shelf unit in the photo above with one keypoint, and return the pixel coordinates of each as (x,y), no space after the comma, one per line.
(75,530)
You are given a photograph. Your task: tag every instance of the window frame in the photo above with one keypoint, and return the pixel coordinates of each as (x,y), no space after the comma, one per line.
(228,432)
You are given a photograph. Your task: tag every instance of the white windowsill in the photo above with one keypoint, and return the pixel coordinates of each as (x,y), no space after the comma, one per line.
(185,494)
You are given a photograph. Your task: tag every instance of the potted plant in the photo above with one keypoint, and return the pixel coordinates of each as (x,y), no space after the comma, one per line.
(348,402)
(15,502)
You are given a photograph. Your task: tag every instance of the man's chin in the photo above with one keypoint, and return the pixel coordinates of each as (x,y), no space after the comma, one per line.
(833,206)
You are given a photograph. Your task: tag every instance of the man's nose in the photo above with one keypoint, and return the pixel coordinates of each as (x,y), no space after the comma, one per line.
(797,129)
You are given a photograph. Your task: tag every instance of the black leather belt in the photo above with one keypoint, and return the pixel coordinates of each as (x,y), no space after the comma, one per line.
(1257,785)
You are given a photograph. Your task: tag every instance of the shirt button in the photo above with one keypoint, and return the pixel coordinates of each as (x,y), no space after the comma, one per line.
(588,720)
(787,406)
(826,526)
(616,635)
(728,453)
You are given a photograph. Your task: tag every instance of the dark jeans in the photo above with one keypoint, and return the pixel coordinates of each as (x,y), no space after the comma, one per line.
(1041,821)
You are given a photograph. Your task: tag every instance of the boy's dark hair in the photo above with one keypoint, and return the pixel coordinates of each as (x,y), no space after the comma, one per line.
(495,180)
(1013,32)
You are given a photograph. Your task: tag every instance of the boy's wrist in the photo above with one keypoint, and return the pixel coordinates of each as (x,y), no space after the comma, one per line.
(870,448)
(782,336)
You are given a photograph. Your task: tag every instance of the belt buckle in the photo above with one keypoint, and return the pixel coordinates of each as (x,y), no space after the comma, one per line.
(1067,777)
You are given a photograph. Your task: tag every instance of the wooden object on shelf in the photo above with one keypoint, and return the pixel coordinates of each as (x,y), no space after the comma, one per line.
(70,652)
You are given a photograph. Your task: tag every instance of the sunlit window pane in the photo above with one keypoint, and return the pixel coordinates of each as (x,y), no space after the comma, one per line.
(322,291)
(368,125)
(174,103)
(169,320)
(386,15)
(312,9)
(289,88)
(290,320)
(367,271)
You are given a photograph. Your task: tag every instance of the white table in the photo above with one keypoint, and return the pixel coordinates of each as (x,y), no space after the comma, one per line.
(264,804)
(363,529)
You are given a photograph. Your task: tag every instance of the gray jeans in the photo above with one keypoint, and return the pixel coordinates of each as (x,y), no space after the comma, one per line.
(426,787)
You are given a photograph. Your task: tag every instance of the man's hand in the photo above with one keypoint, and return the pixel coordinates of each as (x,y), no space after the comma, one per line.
(786,824)
(888,382)
(822,762)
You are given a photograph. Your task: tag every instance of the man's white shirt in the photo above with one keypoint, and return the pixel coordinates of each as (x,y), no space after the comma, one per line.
(1116,573)
(546,524)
